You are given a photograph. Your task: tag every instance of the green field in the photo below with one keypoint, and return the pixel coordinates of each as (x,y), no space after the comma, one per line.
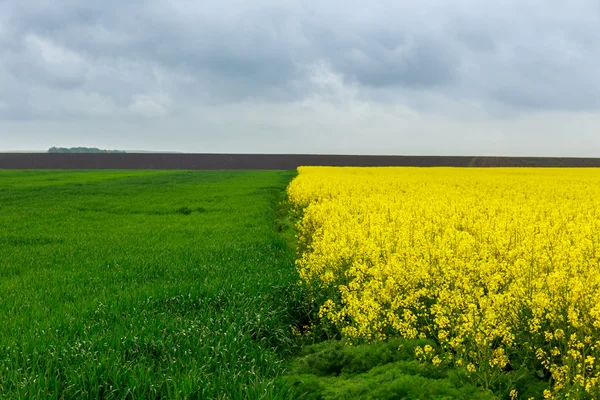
(142,284)
(174,284)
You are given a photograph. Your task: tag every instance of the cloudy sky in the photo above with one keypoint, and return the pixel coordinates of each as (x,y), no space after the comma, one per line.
(448,77)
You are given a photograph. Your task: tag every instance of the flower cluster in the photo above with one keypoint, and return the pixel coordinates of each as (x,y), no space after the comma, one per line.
(495,265)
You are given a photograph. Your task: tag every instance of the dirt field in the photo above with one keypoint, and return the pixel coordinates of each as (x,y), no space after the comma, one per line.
(266,161)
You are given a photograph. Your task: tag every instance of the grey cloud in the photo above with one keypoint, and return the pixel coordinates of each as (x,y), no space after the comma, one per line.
(526,55)
(473,33)
(414,62)
(40,61)
(232,60)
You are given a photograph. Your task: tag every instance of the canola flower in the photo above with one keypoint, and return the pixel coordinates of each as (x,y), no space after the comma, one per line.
(499,266)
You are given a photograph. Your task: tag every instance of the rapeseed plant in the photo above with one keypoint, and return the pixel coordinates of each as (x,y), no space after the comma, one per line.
(501,267)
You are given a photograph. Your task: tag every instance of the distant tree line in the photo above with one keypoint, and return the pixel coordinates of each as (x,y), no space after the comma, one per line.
(81,150)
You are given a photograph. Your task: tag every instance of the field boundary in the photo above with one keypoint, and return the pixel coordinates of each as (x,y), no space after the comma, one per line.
(268,161)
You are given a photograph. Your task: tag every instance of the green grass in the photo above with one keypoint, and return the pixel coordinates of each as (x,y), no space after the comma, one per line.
(332,370)
(145,284)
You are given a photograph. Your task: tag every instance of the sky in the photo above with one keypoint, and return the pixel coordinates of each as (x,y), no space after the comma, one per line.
(430,77)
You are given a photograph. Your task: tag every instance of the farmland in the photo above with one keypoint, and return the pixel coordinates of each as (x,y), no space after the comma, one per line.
(499,267)
(143,284)
(417,283)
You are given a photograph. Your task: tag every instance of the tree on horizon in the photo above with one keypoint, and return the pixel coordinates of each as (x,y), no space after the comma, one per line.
(81,150)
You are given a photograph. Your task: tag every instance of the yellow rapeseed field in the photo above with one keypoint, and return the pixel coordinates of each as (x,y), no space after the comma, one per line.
(501,267)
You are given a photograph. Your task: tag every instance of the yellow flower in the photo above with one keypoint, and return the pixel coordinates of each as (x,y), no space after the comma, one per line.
(476,258)
(418,351)
(590,360)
